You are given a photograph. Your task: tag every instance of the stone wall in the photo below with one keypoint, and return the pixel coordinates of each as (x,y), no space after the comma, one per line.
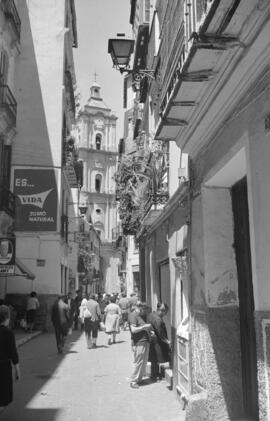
(216,364)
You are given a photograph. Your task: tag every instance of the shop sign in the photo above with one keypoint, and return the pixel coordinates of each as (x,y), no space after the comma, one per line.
(7,256)
(36,199)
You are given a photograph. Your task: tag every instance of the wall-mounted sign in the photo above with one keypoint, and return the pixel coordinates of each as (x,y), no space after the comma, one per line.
(36,199)
(7,256)
(41,262)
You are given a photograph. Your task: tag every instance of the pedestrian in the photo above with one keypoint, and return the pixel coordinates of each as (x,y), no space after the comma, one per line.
(133,298)
(72,309)
(160,346)
(31,308)
(112,319)
(60,320)
(91,323)
(124,305)
(8,356)
(78,300)
(102,304)
(140,333)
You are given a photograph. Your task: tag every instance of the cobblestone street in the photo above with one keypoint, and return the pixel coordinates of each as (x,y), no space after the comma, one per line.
(84,384)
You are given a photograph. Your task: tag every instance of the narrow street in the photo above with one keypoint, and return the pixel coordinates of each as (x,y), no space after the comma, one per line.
(84,384)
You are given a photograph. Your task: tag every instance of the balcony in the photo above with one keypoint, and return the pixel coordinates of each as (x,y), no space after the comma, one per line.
(202,42)
(7,201)
(11,13)
(73,168)
(8,106)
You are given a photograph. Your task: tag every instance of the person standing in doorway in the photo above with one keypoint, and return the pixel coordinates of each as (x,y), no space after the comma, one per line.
(60,320)
(160,346)
(8,356)
(140,334)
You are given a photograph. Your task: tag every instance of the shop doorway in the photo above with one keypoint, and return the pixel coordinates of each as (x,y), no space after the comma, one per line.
(165,291)
(246,299)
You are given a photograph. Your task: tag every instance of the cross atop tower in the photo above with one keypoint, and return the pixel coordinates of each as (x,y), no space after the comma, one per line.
(95,77)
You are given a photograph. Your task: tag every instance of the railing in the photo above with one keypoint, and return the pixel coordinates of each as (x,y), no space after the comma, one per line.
(7,201)
(11,13)
(8,101)
(184,21)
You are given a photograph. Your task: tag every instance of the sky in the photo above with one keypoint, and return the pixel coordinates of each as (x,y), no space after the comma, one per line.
(97,21)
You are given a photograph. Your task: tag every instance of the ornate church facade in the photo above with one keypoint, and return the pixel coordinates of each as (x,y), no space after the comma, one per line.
(98,150)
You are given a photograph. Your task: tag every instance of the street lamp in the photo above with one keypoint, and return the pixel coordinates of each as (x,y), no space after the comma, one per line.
(120,50)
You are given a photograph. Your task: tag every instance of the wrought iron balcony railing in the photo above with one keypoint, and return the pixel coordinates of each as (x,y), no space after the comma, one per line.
(11,13)
(7,201)
(8,102)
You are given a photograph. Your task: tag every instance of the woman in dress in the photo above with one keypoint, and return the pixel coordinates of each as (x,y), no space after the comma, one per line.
(160,346)
(112,319)
(8,356)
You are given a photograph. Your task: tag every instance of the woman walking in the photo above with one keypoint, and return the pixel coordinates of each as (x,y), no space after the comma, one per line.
(112,319)
(8,356)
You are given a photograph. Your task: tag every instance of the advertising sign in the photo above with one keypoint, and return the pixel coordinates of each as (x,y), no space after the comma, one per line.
(36,199)
(7,256)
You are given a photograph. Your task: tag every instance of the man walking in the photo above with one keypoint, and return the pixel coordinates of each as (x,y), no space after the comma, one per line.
(140,333)
(91,324)
(60,320)
(124,305)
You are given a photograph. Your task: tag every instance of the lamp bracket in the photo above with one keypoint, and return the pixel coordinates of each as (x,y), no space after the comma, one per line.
(138,75)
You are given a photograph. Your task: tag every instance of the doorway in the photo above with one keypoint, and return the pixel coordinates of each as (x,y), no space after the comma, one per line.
(165,291)
(246,299)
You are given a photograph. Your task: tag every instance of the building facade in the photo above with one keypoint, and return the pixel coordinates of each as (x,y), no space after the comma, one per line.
(98,151)
(44,165)
(206,251)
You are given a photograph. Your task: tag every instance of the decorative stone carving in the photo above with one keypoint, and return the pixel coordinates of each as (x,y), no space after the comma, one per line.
(99,124)
(180,263)
(98,164)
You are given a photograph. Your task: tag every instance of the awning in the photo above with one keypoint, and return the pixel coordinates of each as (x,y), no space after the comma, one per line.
(24,269)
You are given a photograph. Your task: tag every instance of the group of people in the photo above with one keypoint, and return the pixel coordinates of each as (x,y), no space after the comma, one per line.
(149,341)
(149,337)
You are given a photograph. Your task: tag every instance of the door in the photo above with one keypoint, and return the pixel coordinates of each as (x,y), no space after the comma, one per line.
(165,292)
(246,299)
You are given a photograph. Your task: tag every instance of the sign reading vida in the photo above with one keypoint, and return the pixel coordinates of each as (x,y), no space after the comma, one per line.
(36,198)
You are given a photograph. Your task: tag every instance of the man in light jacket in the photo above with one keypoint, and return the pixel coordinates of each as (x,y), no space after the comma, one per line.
(91,323)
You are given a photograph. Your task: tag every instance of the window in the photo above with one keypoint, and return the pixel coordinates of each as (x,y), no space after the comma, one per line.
(4,68)
(98,211)
(147,11)
(98,142)
(98,180)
